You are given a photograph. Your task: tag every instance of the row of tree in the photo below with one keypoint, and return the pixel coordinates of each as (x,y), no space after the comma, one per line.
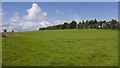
(88,24)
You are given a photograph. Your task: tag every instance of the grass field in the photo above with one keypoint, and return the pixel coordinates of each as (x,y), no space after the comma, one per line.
(61,48)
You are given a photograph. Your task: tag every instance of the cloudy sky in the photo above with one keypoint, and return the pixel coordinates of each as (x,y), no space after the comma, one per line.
(29,16)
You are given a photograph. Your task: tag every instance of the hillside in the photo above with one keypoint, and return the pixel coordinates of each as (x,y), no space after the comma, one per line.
(61,48)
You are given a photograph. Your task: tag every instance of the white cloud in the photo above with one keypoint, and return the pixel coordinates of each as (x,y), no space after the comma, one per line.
(34,20)
(16,18)
(58,22)
(35,13)
(75,18)
(45,24)
(31,26)
(19,24)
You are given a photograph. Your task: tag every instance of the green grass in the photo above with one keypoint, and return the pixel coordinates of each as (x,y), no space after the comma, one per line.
(61,48)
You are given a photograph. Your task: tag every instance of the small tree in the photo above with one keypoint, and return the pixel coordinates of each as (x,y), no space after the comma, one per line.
(5,30)
(12,30)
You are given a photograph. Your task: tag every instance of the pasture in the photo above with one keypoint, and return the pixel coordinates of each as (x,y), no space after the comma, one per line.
(61,48)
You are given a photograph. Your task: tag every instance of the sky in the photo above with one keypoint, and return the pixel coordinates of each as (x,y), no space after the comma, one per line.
(60,0)
(29,16)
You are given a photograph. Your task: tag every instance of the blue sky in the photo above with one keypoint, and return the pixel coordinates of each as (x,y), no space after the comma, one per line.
(62,11)
(85,10)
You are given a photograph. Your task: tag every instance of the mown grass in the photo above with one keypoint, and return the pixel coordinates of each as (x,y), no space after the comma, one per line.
(61,48)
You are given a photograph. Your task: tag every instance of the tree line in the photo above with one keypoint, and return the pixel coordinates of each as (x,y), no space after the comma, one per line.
(88,24)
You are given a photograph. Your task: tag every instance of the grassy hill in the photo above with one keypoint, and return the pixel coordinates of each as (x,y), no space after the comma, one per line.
(61,48)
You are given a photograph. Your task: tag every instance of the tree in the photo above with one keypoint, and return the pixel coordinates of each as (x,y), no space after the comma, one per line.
(64,26)
(73,25)
(12,30)
(86,24)
(92,24)
(58,26)
(5,30)
(95,21)
(113,24)
(80,25)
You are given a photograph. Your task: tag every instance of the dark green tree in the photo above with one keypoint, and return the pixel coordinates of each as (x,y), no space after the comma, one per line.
(5,30)
(65,25)
(73,25)
(80,25)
